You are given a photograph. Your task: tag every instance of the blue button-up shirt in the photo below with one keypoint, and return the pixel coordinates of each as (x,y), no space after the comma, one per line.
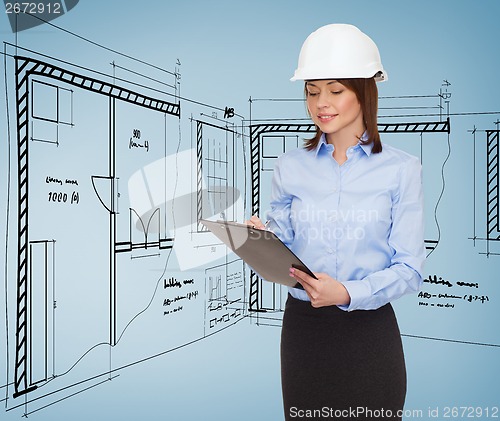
(360,222)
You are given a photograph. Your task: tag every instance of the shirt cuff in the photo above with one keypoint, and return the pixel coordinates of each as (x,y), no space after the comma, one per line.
(357,291)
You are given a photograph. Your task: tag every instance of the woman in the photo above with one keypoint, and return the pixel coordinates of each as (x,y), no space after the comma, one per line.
(351,209)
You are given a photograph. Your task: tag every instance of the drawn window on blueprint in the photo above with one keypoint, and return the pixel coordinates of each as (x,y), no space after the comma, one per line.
(51,106)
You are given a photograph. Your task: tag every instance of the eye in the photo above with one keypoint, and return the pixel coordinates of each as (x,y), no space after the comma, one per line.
(309,93)
(338,92)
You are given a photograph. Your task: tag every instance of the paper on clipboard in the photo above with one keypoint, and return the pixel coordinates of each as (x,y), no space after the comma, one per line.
(262,250)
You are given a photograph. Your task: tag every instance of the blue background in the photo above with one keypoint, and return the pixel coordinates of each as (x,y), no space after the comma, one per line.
(233,50)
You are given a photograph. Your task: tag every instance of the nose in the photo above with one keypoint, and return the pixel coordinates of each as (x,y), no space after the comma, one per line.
(322,100)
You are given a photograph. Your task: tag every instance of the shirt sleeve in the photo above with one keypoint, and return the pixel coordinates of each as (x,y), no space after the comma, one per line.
(406,239)
(280,203)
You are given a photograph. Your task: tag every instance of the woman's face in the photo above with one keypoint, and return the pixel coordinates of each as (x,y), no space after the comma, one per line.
(334,108)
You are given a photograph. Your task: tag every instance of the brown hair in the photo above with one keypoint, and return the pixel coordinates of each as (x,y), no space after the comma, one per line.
(367,94)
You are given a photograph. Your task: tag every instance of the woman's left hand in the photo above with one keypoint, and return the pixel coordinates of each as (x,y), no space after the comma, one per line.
(324,291)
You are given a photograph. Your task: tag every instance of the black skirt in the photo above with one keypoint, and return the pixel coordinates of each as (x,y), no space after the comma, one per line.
(341,365)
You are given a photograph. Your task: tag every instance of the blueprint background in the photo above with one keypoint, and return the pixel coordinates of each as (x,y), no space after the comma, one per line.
(231,50)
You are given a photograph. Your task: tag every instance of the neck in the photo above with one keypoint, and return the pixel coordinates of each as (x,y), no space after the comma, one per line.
(341,144)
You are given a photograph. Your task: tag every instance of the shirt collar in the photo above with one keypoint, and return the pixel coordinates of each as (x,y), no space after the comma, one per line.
(321,144)
(367,149)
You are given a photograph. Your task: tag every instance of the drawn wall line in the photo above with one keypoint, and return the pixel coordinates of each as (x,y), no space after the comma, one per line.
(492,185)
(491,235)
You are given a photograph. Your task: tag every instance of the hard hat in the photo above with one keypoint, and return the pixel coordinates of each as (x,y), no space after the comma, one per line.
(339,51)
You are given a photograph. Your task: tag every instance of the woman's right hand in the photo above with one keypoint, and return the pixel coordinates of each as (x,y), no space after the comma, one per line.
(255,222)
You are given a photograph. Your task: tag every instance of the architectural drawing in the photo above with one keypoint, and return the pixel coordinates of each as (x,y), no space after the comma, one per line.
(33,72)
(107,225)
(109,172)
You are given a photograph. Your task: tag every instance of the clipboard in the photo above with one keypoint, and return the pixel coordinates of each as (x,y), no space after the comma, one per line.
(261,249)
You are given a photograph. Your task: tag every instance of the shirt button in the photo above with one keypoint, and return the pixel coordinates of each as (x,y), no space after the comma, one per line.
(329,250)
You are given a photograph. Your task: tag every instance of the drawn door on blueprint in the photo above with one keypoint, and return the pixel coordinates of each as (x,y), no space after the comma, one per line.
(79,141)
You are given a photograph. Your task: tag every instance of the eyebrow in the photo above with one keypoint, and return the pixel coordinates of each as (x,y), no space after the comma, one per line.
(329,83)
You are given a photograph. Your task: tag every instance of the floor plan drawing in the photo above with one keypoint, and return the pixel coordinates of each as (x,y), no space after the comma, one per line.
(106,210)
(122,128)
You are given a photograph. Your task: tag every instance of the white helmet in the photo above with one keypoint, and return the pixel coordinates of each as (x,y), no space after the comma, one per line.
(339,51)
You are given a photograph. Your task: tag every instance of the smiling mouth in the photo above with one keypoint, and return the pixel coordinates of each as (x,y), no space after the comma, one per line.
(327,117)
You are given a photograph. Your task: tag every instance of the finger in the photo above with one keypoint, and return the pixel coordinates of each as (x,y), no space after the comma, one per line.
(310,285)
(256,222)
(253,220)
(303,277)
(310,291)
